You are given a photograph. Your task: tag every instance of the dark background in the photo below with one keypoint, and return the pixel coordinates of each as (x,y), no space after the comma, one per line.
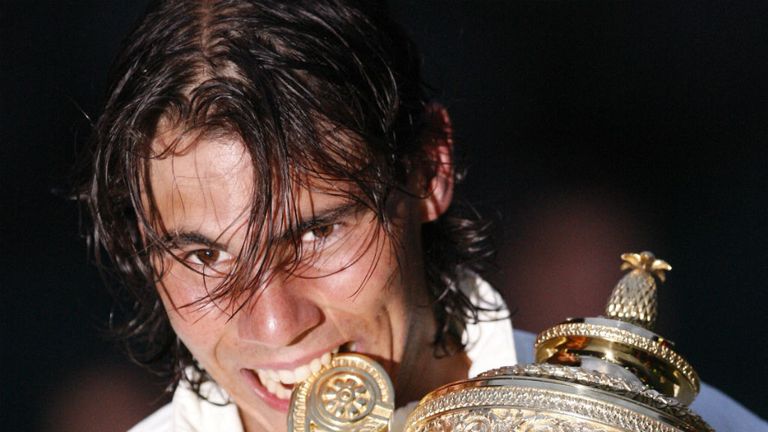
(589,128)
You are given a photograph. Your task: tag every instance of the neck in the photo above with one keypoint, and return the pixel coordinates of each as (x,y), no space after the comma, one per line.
(420,370)
(429,373)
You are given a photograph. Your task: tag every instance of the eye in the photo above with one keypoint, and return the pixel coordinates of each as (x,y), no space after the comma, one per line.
(319,233)
(207,257)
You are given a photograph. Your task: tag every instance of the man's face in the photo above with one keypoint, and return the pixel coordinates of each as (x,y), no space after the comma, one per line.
(350,293)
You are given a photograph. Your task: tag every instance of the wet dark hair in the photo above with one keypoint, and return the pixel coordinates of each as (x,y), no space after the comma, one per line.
(281,77)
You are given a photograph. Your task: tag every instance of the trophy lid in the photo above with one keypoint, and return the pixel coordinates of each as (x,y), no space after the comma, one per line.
(623,342)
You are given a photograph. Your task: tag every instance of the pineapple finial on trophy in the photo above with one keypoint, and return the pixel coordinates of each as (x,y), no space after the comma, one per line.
(634,299)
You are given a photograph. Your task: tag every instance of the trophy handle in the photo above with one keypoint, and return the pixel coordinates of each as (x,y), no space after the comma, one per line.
(354,393)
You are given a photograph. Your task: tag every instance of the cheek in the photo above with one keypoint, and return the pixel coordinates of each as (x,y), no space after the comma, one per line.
(202,335)
(181,286)
(365,272)
(369,293)
(199,324)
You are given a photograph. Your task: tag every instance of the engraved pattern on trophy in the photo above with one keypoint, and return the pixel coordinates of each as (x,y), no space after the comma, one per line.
(632,341)
(504,420)
(539,402)
(346,397)
(631,390)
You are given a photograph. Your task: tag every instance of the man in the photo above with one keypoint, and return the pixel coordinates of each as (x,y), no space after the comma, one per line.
(273,185)
(272,182)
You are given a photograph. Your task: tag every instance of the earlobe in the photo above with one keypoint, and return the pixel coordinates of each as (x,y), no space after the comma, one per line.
(439,170)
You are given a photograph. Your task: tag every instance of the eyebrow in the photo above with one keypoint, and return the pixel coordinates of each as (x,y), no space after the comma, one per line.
(184,238)
(323,217)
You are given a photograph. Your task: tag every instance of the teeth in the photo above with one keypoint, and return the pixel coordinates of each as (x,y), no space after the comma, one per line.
(283,393)
(271,385)
(286,377)
(315,365)
(262,376)
(273,380)
(273,375)
(301,373)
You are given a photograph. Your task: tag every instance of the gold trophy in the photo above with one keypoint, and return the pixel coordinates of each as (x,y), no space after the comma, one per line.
(607,374)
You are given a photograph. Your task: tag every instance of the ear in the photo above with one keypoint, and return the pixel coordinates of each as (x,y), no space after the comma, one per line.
(438,169)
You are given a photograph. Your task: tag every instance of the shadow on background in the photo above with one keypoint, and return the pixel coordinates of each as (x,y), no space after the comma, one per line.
(591,129)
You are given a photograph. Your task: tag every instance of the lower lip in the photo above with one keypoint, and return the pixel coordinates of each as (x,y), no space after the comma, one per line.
(273,401)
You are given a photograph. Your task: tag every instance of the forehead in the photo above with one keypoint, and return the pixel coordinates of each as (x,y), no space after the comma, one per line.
(197,161)
(207,184)
(200,181)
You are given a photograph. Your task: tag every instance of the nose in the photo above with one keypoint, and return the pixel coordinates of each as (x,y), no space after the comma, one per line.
(279,315)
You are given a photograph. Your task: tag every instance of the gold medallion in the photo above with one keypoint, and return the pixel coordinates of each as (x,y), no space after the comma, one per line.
(353,393)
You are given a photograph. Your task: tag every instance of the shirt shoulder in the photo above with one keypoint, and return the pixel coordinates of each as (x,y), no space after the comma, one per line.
(489,339)
(159,421)
(715,407)
(189,412)
(725,414)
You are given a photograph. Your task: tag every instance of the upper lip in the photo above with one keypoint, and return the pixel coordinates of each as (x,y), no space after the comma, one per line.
(304,359)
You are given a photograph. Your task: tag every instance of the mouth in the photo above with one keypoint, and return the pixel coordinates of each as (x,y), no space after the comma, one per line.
(276,386)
